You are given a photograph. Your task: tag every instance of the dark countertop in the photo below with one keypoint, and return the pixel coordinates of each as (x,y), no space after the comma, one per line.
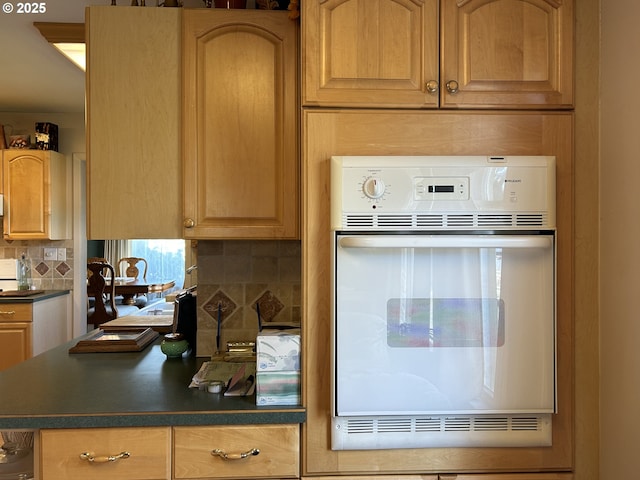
(61,390)
(35,298)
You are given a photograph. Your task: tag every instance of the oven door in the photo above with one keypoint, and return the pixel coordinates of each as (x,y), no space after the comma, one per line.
(444,324)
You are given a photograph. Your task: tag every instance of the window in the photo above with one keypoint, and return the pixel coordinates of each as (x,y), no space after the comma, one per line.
(166,259)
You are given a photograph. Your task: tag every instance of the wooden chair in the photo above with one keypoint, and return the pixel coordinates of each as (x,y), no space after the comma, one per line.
(132,270)
(101,286)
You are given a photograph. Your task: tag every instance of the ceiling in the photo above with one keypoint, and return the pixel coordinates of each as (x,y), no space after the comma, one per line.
(34,76)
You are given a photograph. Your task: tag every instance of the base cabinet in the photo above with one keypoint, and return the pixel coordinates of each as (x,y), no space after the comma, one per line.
(489,476)
(156,453)
(28,329)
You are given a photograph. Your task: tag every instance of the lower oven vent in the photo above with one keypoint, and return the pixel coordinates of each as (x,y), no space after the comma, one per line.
(370,433)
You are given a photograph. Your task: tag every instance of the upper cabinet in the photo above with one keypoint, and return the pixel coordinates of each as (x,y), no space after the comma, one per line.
(134,170)
(240,124)
(515,54)
(37,201)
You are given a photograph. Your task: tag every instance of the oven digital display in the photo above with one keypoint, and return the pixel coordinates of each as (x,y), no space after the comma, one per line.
(441,189)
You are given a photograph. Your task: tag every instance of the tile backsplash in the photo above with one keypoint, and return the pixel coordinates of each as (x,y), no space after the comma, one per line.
(46,274)
(239,278)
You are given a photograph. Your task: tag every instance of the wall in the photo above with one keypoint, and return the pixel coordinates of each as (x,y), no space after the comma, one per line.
(237,275)
(619,234)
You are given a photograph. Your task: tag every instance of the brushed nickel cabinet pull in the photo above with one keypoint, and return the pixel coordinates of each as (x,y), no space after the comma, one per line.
(234,456)
(91,457)
(10,312)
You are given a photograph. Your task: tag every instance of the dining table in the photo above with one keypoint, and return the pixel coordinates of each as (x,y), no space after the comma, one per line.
(129,288)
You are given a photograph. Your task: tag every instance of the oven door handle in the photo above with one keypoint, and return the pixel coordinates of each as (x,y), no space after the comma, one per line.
(446,241)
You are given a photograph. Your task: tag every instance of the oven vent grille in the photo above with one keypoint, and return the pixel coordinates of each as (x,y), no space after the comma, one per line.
(442,221)
(351,433)
(533,220)
(359,221)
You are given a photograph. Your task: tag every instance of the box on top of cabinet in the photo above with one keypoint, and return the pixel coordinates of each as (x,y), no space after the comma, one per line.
(278,350)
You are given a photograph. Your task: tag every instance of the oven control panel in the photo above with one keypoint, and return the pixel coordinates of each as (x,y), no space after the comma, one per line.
(369,190)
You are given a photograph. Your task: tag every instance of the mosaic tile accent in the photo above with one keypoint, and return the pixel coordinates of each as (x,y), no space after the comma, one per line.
(42,269)
(222,303)
(270,306)
(63,268)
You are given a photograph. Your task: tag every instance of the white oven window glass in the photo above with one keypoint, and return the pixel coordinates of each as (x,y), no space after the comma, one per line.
(460,324)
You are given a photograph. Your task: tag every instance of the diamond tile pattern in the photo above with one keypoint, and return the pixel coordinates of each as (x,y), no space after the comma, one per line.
(42,268)
(227,306)
(270,306)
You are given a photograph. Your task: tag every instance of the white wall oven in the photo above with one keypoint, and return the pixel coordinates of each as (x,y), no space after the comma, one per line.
(444,301)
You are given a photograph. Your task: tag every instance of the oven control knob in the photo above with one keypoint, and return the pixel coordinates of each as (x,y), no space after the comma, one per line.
(373,187)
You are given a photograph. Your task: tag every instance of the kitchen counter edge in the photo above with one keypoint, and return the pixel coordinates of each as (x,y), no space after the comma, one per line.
(35,298)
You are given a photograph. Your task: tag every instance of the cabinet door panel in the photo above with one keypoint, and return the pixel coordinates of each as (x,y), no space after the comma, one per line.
(133,123)
(370,52)
(507,53)
(240,125)
(278,447)
(36,196)
(149,450)
(15,343)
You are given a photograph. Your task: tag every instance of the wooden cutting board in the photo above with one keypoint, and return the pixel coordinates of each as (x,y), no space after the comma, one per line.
(159,323)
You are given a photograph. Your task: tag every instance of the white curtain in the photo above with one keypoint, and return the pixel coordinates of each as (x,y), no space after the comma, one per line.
(114,250)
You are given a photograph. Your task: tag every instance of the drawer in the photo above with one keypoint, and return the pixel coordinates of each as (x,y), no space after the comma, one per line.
(149,449)
(16,312)
(279,447)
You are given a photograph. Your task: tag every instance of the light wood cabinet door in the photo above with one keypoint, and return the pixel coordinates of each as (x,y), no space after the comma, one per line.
(15,343)
(134,170)
(514,54)
(36,198)
(370,53)
(240,130)
(278,448)
(506,54)
(149,452)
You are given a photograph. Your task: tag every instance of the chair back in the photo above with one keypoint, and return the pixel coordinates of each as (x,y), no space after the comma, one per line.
(101,286)
(131,269)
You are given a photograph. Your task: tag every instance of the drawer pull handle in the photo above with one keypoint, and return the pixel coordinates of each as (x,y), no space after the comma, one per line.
(91,457)
(5,312)
(234,456)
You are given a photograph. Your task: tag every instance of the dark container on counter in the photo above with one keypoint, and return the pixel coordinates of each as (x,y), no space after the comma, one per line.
(187,319)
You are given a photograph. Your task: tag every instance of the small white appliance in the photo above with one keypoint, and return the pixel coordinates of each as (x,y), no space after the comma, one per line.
(444,301)
(8,274)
